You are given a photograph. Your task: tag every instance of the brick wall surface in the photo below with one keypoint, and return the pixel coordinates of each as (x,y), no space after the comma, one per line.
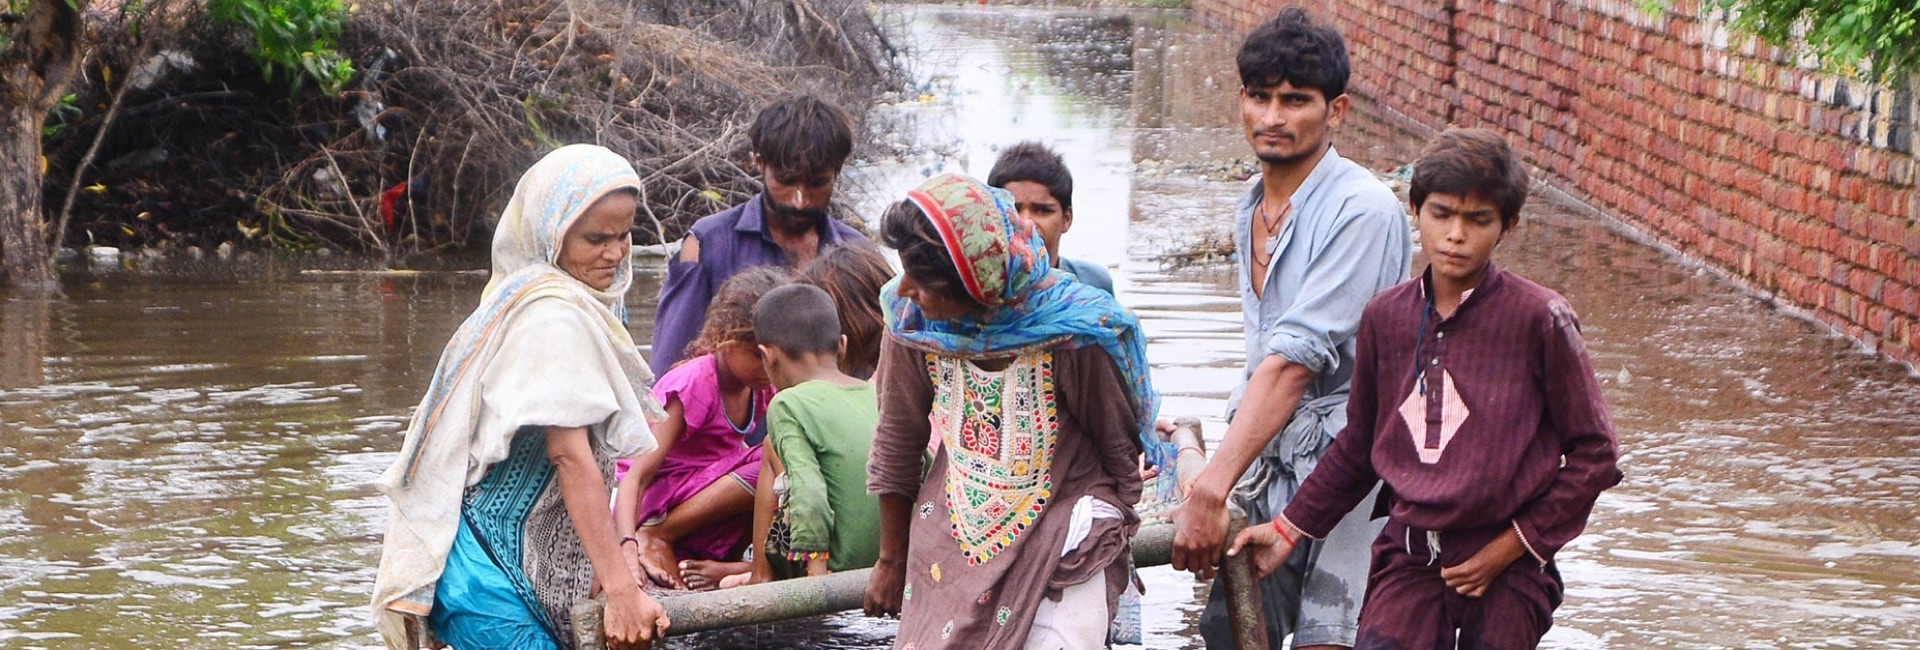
(1737,153)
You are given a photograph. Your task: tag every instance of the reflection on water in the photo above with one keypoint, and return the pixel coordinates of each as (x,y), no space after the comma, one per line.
(185,457)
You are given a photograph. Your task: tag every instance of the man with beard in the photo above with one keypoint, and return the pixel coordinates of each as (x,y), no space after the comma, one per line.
(799,145)
(1316,237)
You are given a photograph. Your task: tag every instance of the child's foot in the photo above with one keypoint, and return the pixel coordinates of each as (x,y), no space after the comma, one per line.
(701,575)
(656,558)
(738,580)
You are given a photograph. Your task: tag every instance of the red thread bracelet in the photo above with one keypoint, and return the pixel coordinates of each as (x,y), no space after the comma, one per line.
(1291,540)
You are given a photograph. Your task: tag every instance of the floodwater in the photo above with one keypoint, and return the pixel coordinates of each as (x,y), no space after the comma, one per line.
(185,455)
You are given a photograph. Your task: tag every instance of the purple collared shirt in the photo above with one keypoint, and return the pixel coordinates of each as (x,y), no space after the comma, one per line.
(730,241)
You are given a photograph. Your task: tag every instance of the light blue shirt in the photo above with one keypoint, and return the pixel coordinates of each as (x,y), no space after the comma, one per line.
(1088,273)
(1346,240)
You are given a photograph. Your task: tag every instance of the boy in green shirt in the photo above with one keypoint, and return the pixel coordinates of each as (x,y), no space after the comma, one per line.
(815,515)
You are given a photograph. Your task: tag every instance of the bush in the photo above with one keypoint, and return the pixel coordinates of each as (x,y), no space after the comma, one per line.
(292,39)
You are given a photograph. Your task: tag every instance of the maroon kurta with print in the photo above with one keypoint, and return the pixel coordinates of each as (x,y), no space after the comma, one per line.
(1490,417)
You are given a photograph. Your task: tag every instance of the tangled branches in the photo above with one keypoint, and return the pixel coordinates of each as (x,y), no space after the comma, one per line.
(458,98)
(454,101)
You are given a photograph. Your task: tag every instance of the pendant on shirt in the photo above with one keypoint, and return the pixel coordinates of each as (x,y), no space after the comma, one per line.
(1273,245)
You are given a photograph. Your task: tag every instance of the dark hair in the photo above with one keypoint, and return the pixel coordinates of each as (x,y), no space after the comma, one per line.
(798,319)
(1469,161)
(923,255)
(801,135)
(1034,162)
(730,315)
(852,274)
(1295,48)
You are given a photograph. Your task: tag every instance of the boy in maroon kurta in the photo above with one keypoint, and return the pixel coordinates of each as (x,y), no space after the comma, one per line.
(1473,399)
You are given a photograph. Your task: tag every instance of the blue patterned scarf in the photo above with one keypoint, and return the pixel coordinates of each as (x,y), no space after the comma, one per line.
(1003,264)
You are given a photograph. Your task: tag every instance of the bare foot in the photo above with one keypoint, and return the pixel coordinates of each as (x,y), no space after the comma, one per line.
(738,580)
(656,558)
(701,575)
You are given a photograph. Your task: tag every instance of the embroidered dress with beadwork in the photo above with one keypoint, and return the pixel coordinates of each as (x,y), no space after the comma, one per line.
(999,429)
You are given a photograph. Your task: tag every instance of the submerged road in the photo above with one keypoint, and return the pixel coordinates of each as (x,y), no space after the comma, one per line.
(185,456)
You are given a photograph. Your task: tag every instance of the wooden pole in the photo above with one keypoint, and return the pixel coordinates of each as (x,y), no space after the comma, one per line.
(772,601)
(1244,610)
(844,591)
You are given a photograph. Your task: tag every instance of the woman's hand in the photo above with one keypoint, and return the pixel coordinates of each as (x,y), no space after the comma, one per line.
(630,554)
(884,586)
(633,619)
(1270,549)
(1472,577)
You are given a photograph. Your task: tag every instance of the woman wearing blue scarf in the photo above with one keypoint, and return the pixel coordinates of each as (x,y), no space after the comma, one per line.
(1036,387)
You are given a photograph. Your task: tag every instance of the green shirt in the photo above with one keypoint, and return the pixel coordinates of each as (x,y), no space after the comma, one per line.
(822,432)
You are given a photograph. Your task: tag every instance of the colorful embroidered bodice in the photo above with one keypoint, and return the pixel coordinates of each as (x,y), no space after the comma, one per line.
(998,429)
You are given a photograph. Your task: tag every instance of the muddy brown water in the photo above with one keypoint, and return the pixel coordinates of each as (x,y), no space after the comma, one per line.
(185,454)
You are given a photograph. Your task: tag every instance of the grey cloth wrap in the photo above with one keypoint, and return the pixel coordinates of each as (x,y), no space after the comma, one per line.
(1276,475)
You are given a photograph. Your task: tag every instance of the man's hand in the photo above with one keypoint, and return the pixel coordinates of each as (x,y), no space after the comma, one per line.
(884,586)
(633,619)
(1472,577)
(1199,532)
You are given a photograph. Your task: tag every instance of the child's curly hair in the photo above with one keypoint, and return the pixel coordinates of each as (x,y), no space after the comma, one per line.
(730,315)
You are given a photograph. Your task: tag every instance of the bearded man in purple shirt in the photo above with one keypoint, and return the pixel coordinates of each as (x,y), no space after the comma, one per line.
(799,145)
(1474,400)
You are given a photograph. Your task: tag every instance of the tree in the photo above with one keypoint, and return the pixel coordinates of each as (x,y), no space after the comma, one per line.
(1843,33)
(39,55)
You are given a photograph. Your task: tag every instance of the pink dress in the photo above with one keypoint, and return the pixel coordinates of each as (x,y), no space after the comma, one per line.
(710,449)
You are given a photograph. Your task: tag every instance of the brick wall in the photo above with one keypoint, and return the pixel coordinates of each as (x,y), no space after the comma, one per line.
(1742,155)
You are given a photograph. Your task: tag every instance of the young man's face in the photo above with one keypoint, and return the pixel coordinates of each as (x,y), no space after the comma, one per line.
(798,200)
(1036,203)
(1458,234)
(1289,124)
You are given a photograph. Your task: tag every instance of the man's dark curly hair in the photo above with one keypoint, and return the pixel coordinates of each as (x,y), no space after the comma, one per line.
(801,135)
(1295,48)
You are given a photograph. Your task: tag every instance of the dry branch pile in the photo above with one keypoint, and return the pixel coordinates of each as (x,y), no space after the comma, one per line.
(454,101)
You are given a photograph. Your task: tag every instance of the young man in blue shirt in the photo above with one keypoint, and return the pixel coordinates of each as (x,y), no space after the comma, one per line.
(1316,237)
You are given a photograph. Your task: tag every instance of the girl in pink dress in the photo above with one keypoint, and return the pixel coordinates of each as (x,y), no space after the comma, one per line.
(692,497)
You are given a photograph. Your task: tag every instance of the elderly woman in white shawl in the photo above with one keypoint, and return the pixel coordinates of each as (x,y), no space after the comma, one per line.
(499,520)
